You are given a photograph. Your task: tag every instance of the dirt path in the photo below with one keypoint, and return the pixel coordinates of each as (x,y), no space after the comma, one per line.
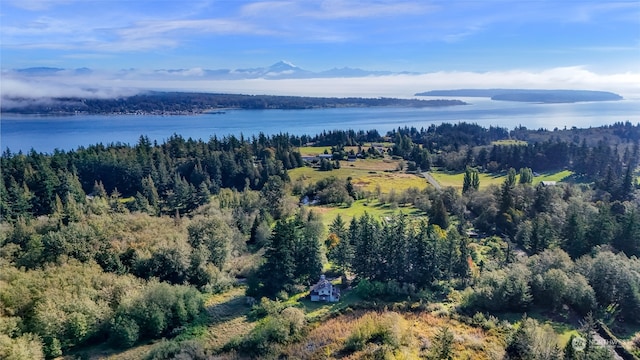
(432,180)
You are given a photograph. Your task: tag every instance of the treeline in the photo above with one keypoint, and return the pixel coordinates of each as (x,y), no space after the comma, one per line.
(608,157)
(602,164)
(602,283)
(391,251)
(452,136)
(343,138)
(397,250)
(176,176)
(185,102)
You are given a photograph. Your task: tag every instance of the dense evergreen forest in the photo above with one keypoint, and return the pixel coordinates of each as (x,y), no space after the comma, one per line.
(195,103)
(123,244)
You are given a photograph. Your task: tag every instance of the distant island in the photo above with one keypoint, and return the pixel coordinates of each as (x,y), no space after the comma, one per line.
(522,95)
(183,103)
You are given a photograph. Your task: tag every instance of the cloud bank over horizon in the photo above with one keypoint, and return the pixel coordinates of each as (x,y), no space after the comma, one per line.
(102,84)
(397,35)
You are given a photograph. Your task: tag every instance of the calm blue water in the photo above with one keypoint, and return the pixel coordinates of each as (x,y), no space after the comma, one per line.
(46,133)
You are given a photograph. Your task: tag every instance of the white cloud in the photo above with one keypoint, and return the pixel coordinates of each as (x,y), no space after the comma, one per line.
(333,9)
(585,12)
(626,84)
(63,85)
(150,29)
(38,5)
(264,8)
(336,9)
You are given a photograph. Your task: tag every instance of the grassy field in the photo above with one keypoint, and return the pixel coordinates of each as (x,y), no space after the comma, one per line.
(509,142)
(227,312)
(552,176)
(358,208)
(313,150)
(367,174)
(317,150)
(456,179)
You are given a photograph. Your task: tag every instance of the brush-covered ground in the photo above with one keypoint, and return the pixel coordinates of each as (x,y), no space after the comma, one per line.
(354,328)
(350,329)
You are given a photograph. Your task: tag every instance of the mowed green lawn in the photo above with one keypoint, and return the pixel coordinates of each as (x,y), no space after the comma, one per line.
(313,150)
(359,207)
(456,179)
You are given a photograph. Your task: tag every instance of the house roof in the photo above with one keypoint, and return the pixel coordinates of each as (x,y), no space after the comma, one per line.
(322,284)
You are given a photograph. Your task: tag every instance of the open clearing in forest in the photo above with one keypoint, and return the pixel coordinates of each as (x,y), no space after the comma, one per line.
(509,142)
(359,207)
(367,174)
(317,150)
(456,179)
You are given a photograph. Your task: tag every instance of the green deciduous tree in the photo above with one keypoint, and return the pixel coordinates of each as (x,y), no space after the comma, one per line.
(214,234)
(526,176)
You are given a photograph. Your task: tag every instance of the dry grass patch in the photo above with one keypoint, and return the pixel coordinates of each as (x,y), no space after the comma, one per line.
(227,312)
(387,182)
(396,335)
(385,164)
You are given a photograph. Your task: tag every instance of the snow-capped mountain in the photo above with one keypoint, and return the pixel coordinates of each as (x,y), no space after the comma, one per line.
(280,70)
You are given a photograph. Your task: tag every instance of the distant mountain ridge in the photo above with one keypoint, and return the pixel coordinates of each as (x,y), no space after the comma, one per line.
(529,95)
(280,70)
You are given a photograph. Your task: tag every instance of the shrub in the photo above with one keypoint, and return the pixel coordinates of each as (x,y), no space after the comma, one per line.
(388,329)
(156,312)
(177,350)
(25,347)
(266,307)
(391,290)
(500,290)
(275,329)
(124,332)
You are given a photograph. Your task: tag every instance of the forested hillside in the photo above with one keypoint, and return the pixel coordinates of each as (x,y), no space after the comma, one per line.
(195,103)
(107,249)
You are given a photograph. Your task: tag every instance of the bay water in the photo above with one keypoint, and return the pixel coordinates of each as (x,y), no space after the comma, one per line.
(46,133)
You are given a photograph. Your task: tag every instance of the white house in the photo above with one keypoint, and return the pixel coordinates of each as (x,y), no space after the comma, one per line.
(324,291)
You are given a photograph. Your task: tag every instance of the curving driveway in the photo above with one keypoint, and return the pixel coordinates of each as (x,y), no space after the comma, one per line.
(432,180)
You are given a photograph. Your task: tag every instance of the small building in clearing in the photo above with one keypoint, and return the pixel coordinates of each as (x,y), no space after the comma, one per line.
(548,183)
(324,291)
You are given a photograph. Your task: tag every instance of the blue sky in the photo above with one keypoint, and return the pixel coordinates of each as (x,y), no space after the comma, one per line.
(598,38)
(422,36)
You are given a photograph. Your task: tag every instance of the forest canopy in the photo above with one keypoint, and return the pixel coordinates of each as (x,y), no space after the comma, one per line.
(125,244)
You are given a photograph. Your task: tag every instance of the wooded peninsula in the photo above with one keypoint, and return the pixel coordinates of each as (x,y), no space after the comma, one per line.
(529,95)
(180,103)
